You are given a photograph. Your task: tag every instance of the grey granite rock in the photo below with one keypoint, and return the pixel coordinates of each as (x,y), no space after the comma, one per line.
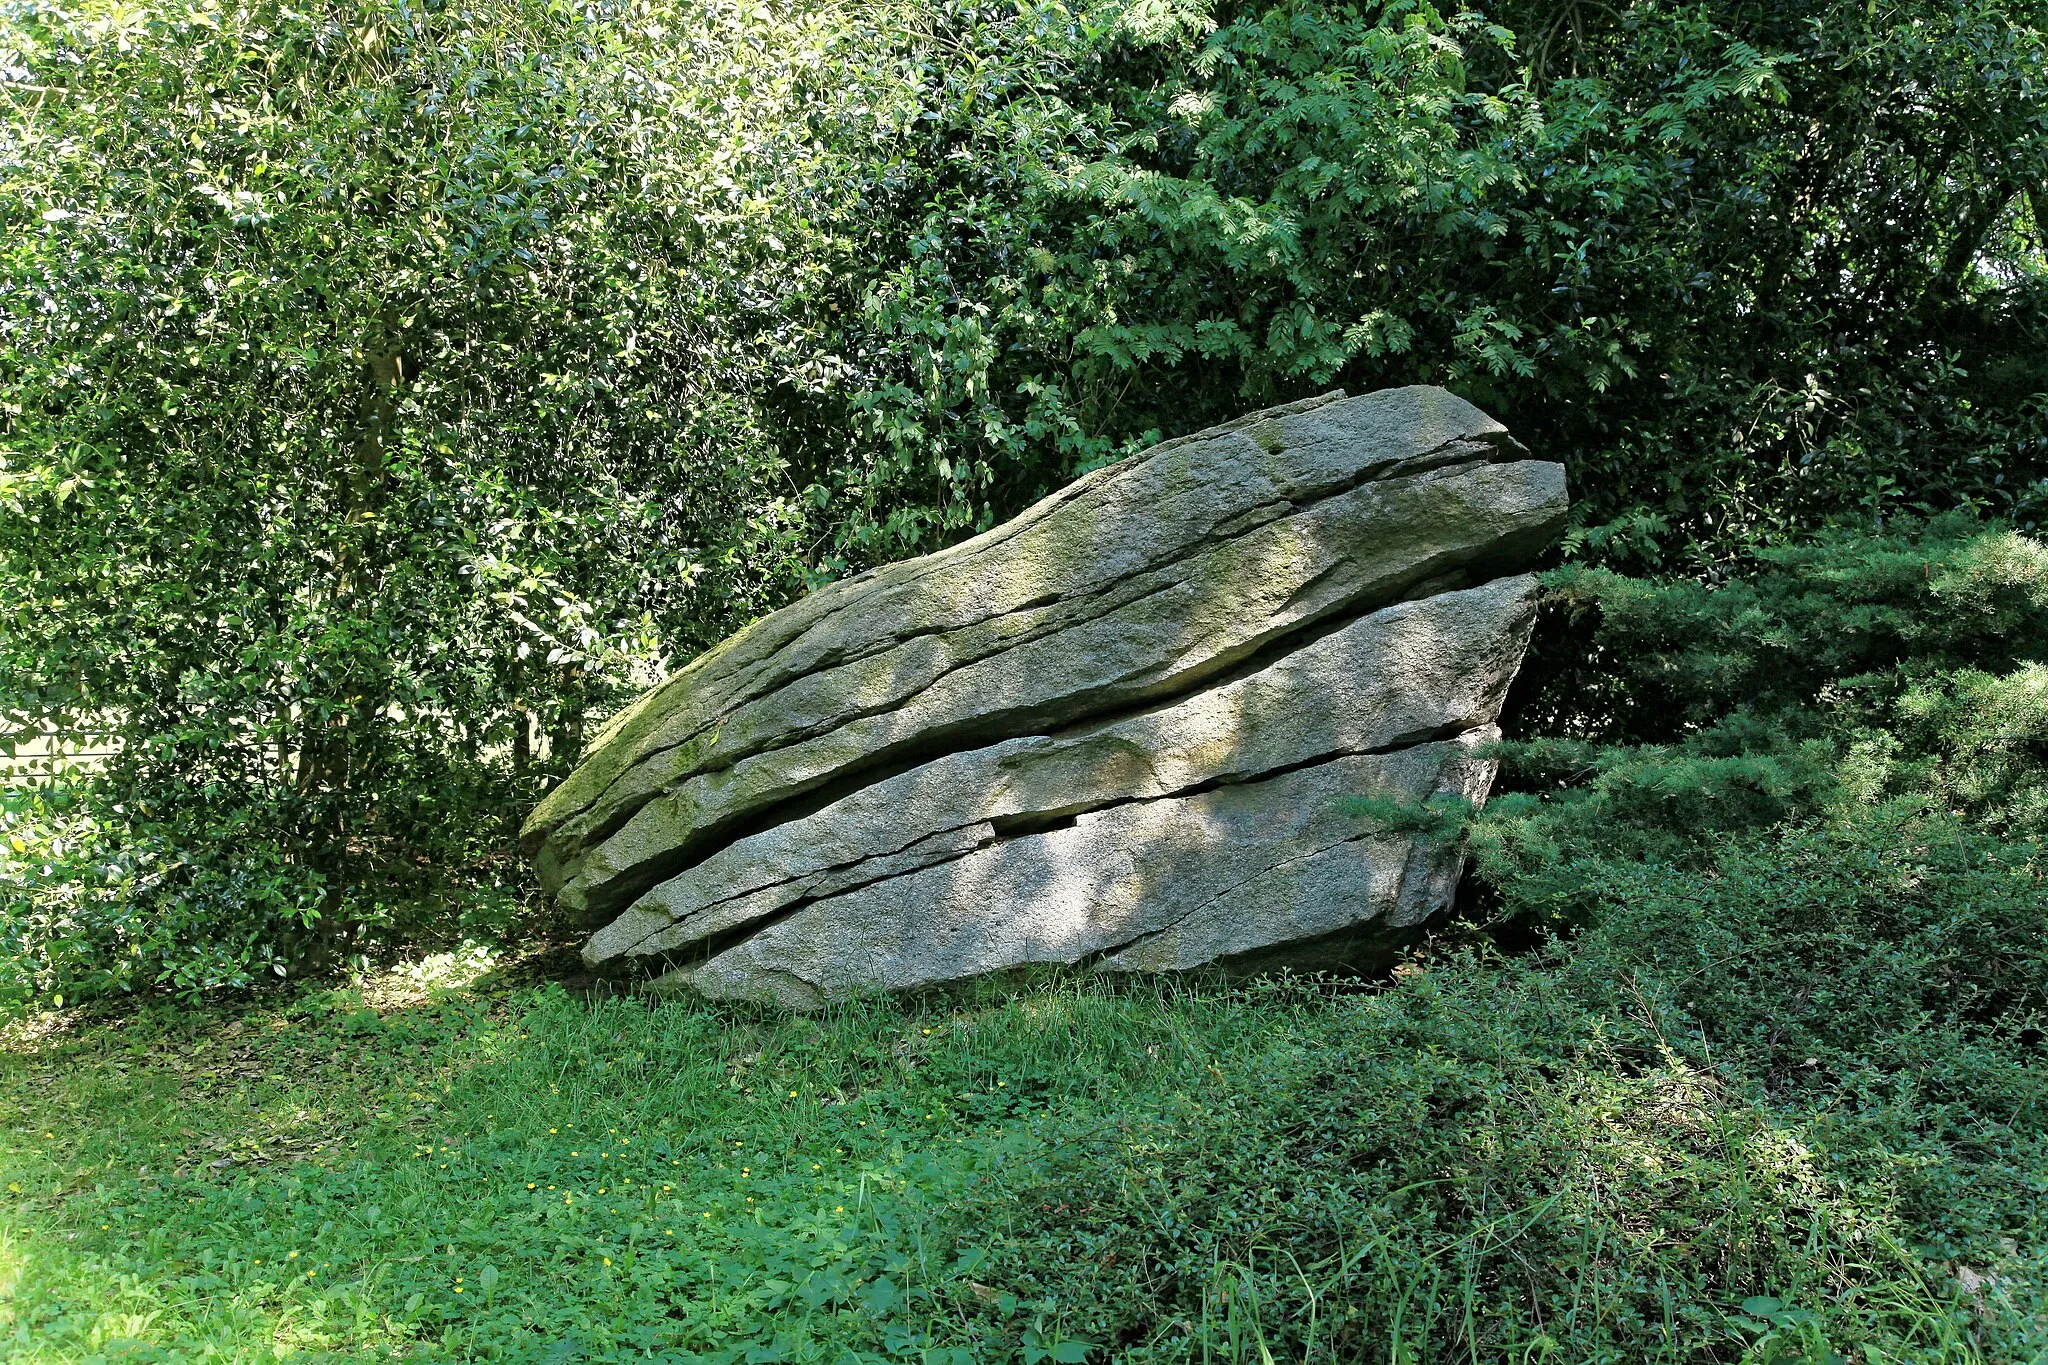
(1407,673)
(1150,885)
(1284,596)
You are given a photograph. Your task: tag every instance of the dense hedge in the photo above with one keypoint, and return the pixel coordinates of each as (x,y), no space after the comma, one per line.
(389,388)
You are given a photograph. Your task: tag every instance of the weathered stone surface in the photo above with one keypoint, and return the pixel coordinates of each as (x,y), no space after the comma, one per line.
(1152,885)
(1408,673)
(1266,611)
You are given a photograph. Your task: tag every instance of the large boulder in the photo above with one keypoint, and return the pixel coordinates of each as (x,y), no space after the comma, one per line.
(1121,728)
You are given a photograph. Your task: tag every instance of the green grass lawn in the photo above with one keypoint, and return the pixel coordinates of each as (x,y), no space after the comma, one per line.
(1468,1164)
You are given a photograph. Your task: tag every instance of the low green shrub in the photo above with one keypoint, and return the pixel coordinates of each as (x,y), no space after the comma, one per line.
(105,900)
(1827,677)
(1887,975)
(211,889)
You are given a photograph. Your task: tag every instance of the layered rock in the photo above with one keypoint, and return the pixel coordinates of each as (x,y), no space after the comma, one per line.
(1402,676)
(1146,886)
(1053,742)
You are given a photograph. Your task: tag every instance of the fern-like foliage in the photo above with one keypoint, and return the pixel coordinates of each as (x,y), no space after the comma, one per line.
(1904,667)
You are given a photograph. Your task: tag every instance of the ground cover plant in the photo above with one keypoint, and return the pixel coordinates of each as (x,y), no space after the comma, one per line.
(1786,1106)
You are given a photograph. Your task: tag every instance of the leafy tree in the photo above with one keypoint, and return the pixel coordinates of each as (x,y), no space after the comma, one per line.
(376,402)
(1745,267)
